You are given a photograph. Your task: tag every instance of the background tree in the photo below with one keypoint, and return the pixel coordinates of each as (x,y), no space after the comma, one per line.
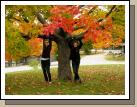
(16,46)
(118,31)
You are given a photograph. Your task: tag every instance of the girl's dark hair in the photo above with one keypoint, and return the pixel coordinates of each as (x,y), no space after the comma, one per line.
(76,41)
(46,40)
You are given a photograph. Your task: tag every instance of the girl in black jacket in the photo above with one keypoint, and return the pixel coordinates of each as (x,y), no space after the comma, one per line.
(45,57)
(75,46)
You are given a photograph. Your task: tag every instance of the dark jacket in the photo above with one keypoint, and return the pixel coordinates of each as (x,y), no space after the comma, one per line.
(75,55)
(46,49)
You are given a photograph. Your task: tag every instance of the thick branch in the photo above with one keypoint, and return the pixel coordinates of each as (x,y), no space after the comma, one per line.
(80,6)
(23,19)
(26,37)
(16,19)
(57,36)
(40,18)
(90,11)
(60,33)
(42,36)
(111,10)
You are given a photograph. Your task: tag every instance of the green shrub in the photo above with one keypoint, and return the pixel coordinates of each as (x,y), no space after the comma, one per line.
(87,47)
(87,51)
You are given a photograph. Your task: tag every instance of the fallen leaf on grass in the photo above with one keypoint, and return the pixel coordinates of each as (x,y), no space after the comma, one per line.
(58,83)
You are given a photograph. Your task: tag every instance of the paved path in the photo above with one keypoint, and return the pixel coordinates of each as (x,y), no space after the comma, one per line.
(97,59)
(85,60)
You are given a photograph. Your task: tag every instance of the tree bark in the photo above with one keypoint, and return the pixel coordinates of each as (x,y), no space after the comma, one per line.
(64,69)
(40,18)
(111,10)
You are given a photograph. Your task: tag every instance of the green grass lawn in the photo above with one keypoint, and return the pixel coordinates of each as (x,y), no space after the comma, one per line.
(115,58)
(96,80)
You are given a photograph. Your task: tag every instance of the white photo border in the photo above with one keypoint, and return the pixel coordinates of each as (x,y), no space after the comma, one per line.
(127,94)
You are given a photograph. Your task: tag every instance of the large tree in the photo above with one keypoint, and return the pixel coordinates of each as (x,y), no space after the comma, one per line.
(64,22)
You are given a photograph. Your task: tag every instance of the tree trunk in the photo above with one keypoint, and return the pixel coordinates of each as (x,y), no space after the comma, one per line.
(64,69)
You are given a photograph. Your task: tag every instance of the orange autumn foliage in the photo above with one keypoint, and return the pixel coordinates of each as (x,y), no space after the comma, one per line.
(35,45)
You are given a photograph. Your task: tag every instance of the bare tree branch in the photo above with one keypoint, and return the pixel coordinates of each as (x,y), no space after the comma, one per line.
(92,10)
(111,10)
(26,37)
(80,6)
(16,19)
(40,18)
(25,19)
